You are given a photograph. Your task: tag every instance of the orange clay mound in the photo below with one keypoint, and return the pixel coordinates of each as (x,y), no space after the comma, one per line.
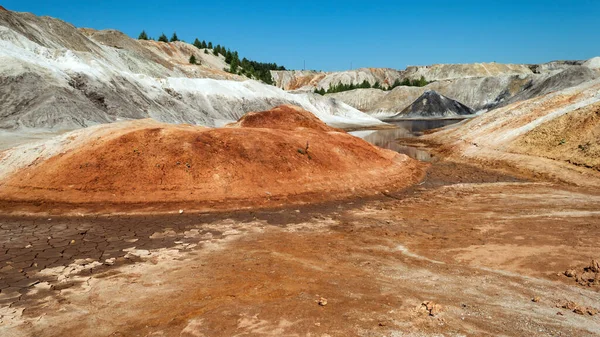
(283,117)
(149,163)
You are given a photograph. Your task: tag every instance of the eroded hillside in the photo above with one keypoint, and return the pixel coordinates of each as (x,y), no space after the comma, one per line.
(55,76)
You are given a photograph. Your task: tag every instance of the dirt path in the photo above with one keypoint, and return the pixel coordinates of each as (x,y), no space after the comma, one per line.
(480,247)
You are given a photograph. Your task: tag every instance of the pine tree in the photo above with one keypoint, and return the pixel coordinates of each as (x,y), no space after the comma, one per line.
(192,59)
(174,37)
(228,56)
(205,51)
(204,45)
(143,35)
(197,44)
(210,46)
(234,66)
(215,52)
(163,38)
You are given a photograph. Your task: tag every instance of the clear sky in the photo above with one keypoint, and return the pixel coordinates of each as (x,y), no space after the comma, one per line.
(335,35)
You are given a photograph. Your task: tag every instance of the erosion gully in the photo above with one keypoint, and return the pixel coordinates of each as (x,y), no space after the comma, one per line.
(467,252)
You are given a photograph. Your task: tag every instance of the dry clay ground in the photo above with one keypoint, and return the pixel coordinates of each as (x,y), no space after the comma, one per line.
(467,252)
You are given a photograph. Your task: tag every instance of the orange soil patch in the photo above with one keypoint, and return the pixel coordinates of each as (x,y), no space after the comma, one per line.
(226,168)
(284,117)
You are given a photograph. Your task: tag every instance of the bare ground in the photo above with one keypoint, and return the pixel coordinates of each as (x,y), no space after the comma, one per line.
(480,245)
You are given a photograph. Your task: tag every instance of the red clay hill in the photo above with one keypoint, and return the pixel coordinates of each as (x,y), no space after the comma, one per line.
(271,158)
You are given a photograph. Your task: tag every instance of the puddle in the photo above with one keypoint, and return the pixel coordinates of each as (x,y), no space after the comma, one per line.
(416,127)
(387,139)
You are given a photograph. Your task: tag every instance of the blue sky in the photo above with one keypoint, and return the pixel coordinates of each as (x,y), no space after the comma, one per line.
(333,35)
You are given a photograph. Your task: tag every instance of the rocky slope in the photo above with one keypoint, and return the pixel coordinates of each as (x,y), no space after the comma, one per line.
(433,105)
(478,93)
(55,76)
(439,72)
(554,135)
(311,80)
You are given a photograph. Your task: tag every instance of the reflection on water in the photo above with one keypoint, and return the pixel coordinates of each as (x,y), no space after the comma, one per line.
(387,139)
(418,126)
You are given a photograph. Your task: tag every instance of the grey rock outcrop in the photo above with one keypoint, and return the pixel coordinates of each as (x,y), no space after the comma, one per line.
(433,105)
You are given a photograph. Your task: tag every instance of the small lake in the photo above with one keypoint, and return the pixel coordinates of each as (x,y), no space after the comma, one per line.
(388,138)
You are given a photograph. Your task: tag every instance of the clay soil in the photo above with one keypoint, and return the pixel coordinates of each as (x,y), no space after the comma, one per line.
(279,157)
(572,138)
(468,252)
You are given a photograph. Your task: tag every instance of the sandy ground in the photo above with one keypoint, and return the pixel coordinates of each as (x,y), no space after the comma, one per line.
(488,250)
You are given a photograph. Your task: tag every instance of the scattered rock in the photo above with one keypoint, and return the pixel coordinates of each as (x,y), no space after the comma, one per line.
(594,266)
(535,299)
(580,310)
(588,277)
(432,307)
(72,242)
(322,301)
(569,305)
(180,211)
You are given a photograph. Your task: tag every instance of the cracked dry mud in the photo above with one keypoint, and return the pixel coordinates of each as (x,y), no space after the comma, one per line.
(476,249)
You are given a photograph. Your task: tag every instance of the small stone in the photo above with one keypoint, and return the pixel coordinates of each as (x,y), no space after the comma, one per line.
(72,242)
(180,211)
(7,268)
(432,307)
(559,313)
(594,266)
(28,246)
(570,273)
(322,301)
(569,305)
(535,299)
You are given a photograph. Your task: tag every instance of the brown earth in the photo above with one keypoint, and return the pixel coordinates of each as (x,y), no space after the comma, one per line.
(468,252)
(551,137)
(261,162)
(573,138)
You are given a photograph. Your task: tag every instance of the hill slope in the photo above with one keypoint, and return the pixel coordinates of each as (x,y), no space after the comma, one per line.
(56,76)
(555,135)
(479,93)
(433,105)
(145,163)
